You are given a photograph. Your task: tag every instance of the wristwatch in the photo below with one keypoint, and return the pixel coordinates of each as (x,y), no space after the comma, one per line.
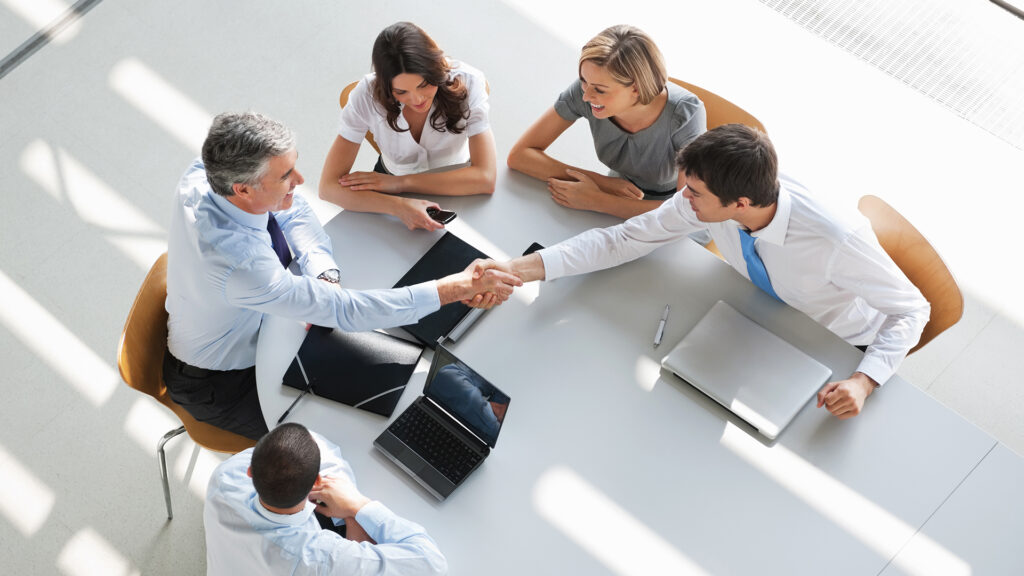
(333,276)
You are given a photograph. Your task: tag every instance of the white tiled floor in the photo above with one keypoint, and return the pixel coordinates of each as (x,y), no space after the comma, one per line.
(96,130)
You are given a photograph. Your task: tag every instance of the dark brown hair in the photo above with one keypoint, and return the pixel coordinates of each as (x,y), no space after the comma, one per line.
(404,48)
(735,161)
(285,464)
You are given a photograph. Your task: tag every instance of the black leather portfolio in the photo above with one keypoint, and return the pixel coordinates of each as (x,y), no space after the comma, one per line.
(447,256)
(368,370)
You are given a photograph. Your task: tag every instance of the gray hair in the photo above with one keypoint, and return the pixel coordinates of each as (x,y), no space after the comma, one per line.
(239,147)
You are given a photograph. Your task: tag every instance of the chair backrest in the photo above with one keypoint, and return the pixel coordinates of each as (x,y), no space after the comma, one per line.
(719,110)
(923,266)
(140,356)
(343,100)
(144,338)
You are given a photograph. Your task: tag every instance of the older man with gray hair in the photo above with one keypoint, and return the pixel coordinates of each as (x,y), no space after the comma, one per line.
(235,228)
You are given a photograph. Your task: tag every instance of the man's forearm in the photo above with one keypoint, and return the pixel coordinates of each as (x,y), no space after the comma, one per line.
(528,268)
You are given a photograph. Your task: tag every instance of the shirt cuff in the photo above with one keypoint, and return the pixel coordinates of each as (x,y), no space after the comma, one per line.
(372,518)
(875,368)
(553,267)
(425,297)
(318,262)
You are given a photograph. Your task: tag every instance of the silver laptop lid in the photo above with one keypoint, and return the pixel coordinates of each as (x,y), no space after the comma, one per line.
(755,374)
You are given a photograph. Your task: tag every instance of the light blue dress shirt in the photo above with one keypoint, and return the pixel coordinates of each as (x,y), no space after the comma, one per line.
(223,275)
(243,537)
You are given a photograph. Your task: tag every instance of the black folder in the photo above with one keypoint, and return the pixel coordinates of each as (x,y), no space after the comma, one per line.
(368,370)
(448,255)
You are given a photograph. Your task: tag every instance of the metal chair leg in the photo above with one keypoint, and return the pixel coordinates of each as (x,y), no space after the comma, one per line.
(163,466)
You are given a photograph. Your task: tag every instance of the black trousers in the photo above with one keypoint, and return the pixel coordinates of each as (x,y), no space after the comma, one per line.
(223,398)
(379,166)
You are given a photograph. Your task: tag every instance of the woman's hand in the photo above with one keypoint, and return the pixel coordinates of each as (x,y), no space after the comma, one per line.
(583,194)
(413,213)
(618,187)
(372,181)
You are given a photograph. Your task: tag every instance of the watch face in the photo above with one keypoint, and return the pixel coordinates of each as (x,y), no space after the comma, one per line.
(331,276)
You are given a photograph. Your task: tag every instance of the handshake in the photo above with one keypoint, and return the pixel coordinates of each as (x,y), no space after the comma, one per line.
(487,283)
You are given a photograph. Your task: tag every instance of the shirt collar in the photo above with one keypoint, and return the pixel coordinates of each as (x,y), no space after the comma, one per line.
(257,221)
(296,519)
(775,231)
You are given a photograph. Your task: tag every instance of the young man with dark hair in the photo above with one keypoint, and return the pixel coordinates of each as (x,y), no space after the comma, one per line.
(825,263)
(260,516)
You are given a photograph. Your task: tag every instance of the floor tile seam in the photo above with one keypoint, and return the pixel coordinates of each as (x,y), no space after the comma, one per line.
(961,353)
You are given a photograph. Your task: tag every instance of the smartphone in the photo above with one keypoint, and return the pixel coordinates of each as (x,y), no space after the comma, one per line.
(442,216)
(533,248)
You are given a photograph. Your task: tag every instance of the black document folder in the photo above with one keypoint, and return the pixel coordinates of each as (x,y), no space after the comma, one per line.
(447,256)
(368,370)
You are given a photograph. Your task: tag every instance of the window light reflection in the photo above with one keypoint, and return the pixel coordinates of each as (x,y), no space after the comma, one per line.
(53,343)
(863,519)
(25,500)
(583,513)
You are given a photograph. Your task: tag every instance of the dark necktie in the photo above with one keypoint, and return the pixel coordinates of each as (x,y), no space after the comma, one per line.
(755,267)
(277,241)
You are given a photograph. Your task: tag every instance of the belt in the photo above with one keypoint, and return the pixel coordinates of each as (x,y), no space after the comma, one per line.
(188,369)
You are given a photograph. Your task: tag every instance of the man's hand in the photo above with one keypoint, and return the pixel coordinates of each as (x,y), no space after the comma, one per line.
(527,268)
(372,181)
(413,213)
(477,269)
(492,284)
(845,398)
(337,497)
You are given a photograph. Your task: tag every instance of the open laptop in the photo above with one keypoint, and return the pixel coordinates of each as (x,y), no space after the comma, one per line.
(449,430)
(755,374)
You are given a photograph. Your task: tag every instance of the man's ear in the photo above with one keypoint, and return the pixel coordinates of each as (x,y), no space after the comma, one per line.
(248,472)
(317,483)
(743,202)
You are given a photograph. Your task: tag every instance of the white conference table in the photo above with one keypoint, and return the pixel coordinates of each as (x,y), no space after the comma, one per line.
(608,465)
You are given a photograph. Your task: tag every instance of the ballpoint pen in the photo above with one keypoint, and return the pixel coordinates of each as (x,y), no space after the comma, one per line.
(309,389)
(661,327)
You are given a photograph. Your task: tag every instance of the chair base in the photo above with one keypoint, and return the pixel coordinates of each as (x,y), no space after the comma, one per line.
(163,466)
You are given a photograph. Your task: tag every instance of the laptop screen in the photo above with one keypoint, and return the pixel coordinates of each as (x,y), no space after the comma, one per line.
(466,395)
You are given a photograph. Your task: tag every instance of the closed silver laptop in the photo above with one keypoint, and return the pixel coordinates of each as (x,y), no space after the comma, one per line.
(755,374)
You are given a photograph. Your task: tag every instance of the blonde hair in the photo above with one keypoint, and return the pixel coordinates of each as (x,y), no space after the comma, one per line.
(631,57)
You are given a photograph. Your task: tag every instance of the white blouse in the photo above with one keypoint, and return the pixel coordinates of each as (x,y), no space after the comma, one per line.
(401,153)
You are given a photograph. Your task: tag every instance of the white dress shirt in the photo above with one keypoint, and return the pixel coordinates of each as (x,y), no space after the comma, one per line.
(401,153)
(223,275)
(243,537)
(826,264)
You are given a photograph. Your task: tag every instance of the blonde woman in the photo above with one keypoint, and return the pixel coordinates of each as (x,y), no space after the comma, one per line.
(425,112)
(638,121)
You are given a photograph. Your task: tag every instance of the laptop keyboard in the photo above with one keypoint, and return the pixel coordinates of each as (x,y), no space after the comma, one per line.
(436,444)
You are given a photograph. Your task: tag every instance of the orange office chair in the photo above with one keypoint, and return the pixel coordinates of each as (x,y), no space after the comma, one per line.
(921,263)
(140,356)
(720,112)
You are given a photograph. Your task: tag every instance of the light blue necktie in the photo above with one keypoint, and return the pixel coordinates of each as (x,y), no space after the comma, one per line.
(755,267)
